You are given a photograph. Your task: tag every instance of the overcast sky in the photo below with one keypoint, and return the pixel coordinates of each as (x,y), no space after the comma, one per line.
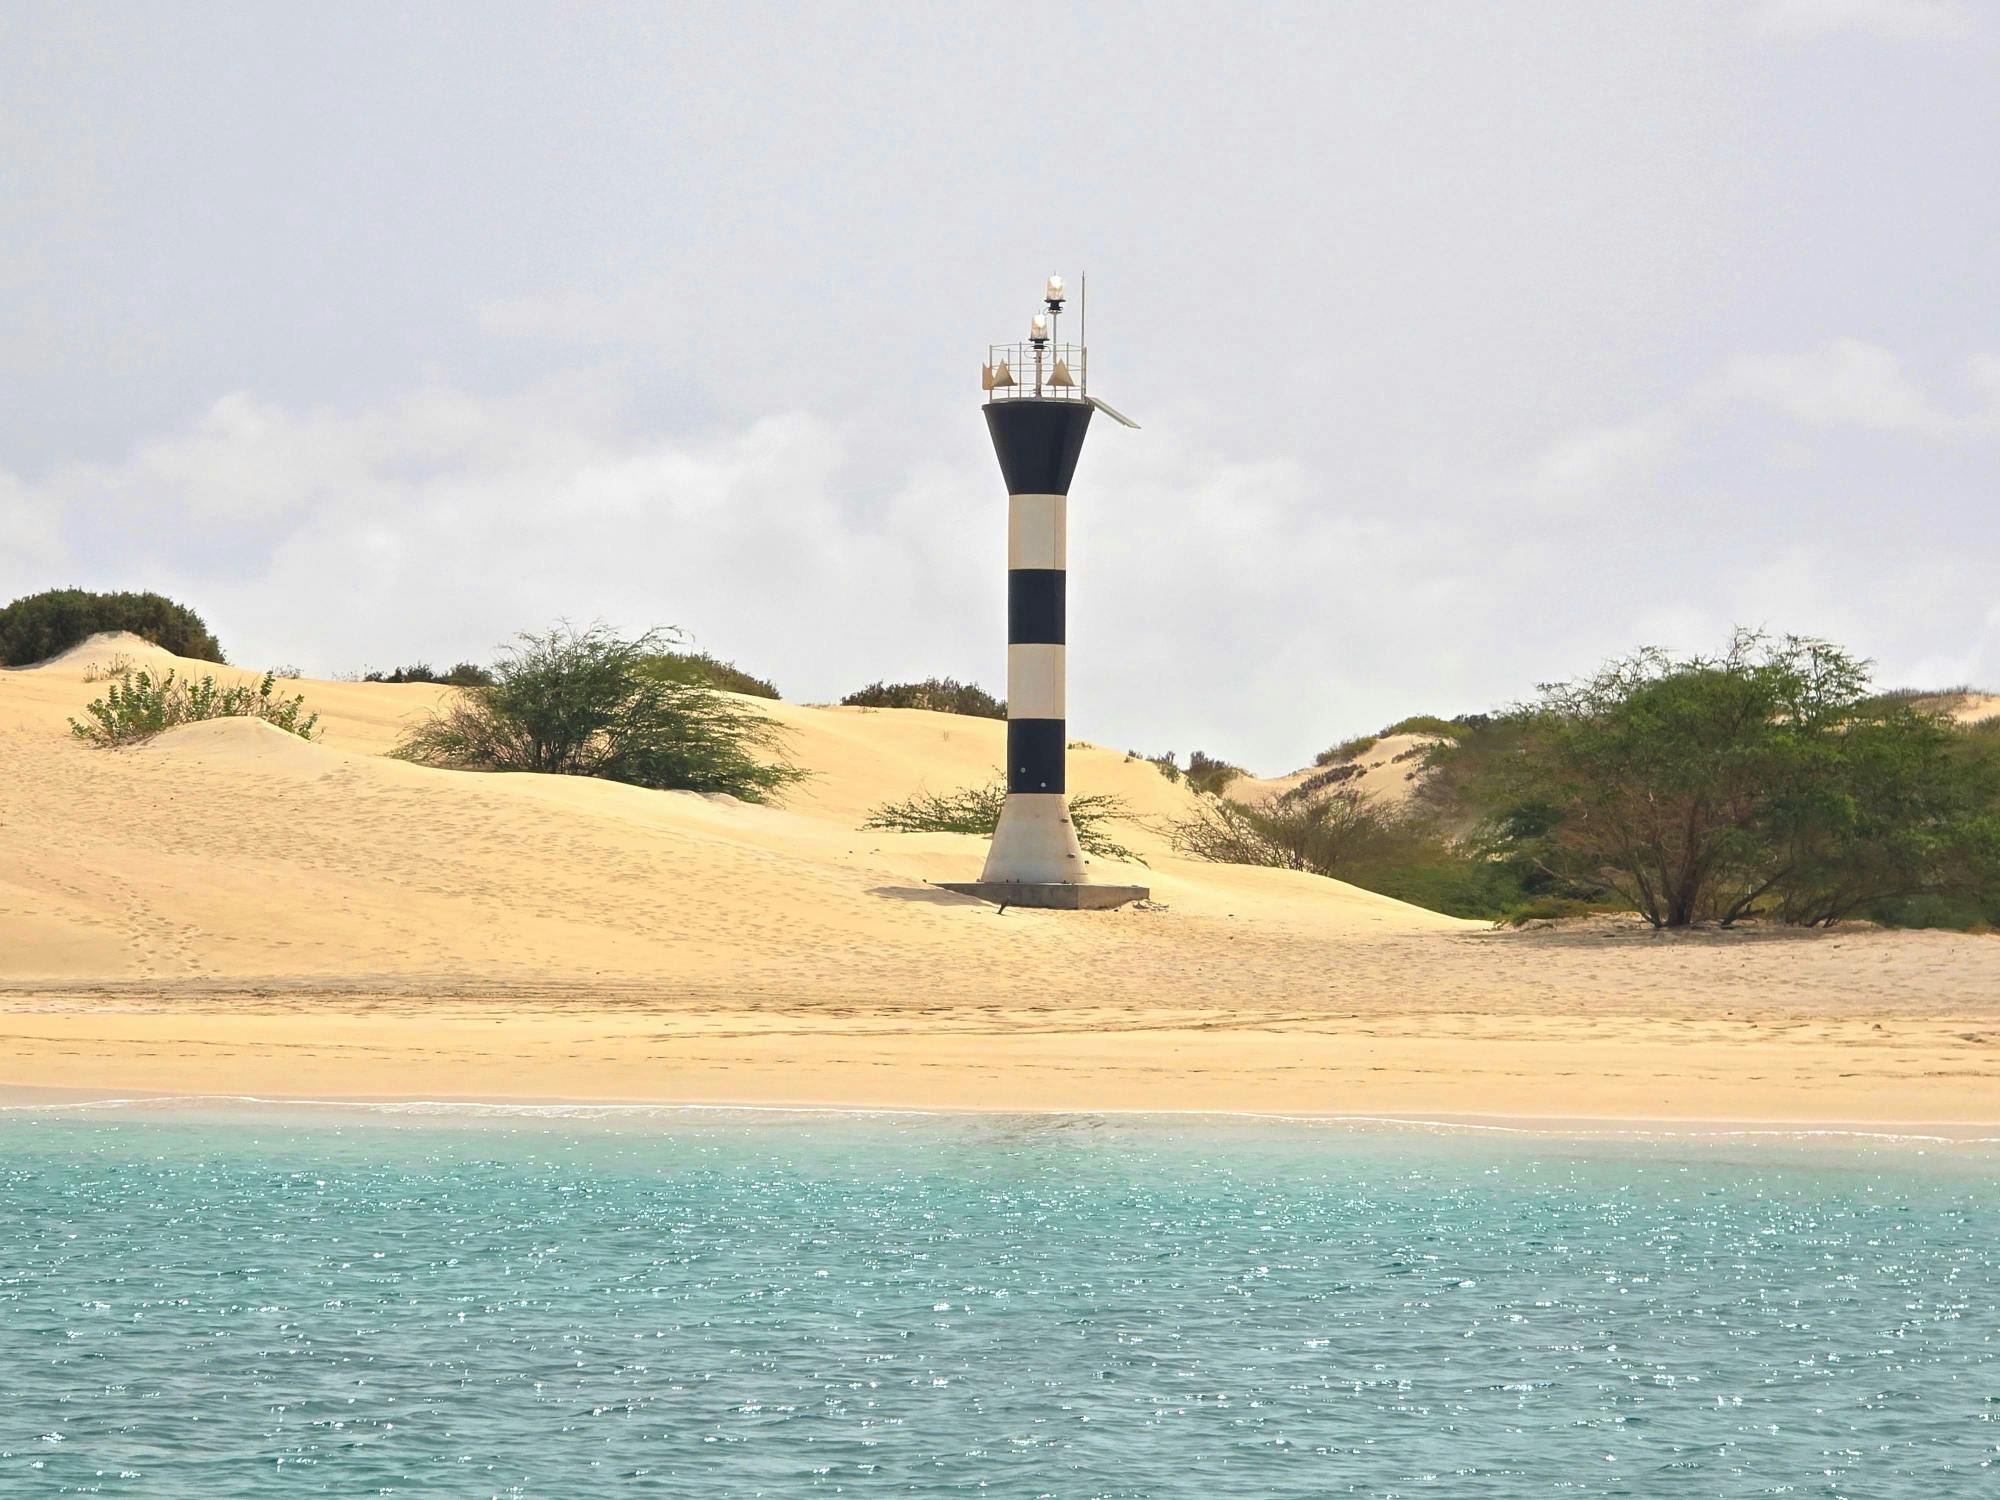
(1472,343)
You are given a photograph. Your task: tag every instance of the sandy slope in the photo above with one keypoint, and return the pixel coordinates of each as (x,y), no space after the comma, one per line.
(1967,708)
(1388,773)
(229,908)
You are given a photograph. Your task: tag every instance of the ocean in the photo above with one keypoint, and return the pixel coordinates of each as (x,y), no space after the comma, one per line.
(214,1299)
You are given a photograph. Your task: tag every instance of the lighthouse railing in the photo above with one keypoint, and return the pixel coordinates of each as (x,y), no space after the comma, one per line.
(1019,361)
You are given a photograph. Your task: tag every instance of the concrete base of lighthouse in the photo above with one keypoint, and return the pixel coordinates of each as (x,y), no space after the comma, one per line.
(1048,897)
(1035,861)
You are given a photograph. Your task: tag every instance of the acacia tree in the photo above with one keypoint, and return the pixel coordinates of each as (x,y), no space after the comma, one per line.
(589,703)
(1910,808)
(1761,780)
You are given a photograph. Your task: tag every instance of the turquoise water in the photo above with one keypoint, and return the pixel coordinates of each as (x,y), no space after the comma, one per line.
(239,1302)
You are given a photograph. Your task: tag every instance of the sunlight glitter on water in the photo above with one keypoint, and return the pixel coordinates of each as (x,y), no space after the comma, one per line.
(249,1302)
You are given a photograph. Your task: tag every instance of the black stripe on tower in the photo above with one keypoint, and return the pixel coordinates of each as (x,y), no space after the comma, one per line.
(1035,606)
(1038,442)
(1035,755)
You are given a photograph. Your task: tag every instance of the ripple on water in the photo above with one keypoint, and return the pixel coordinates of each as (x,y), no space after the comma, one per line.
(251,1303)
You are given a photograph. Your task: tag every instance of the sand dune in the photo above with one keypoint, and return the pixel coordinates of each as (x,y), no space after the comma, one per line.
(231,908)
(1389,773)
(1971,708)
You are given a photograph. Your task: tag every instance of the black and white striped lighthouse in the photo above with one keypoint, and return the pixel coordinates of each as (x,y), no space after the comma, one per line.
(1038,410)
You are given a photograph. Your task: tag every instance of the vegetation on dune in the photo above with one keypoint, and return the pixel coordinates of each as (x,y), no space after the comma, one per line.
(1361,744)
(1444,729)
(1325,833)
(942,695)
(465,674)
(703,670)
(586,702)
(1766,781)
(39,626)
(1204,773)
(1328,827)
(977,810)
(136,706)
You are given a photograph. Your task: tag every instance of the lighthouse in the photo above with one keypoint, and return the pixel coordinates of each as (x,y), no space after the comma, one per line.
(1038,410)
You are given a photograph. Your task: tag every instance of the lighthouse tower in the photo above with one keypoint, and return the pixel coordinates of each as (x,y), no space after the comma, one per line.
(1038,410)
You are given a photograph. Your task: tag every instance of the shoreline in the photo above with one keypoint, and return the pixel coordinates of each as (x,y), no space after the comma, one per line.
(28,1099)
(1780,1062)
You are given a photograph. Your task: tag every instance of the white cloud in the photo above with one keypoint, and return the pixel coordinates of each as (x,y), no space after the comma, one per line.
(1848,383)
(1896,20)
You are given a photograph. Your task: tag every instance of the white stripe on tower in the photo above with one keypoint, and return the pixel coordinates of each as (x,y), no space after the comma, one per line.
(1035,682)
(1038,531)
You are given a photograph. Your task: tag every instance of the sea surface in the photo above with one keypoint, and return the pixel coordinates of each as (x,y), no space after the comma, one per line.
(213,1299)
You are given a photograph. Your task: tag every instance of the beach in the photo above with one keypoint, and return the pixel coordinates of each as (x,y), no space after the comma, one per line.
(231,910)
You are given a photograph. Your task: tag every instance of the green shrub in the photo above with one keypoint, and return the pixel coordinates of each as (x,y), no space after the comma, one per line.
(703,670)
(137,706)
(976,810)
(39,626)
(1207,774)
(941,695)
(1326,833)
(1326,827)
(1425,724)
(465,674)
(1168,765)
(588,703)
(1361,744)
(1548,909)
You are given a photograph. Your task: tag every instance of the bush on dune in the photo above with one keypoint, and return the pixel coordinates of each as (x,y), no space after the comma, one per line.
(1204,772)
(1325,832)
(1326,826)
(39,626)
(1444,729)
(465,674)
(573,702)
(1346,750)
(977,810)
(703,670)
(1207,774)
(138,706)
(941,695)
